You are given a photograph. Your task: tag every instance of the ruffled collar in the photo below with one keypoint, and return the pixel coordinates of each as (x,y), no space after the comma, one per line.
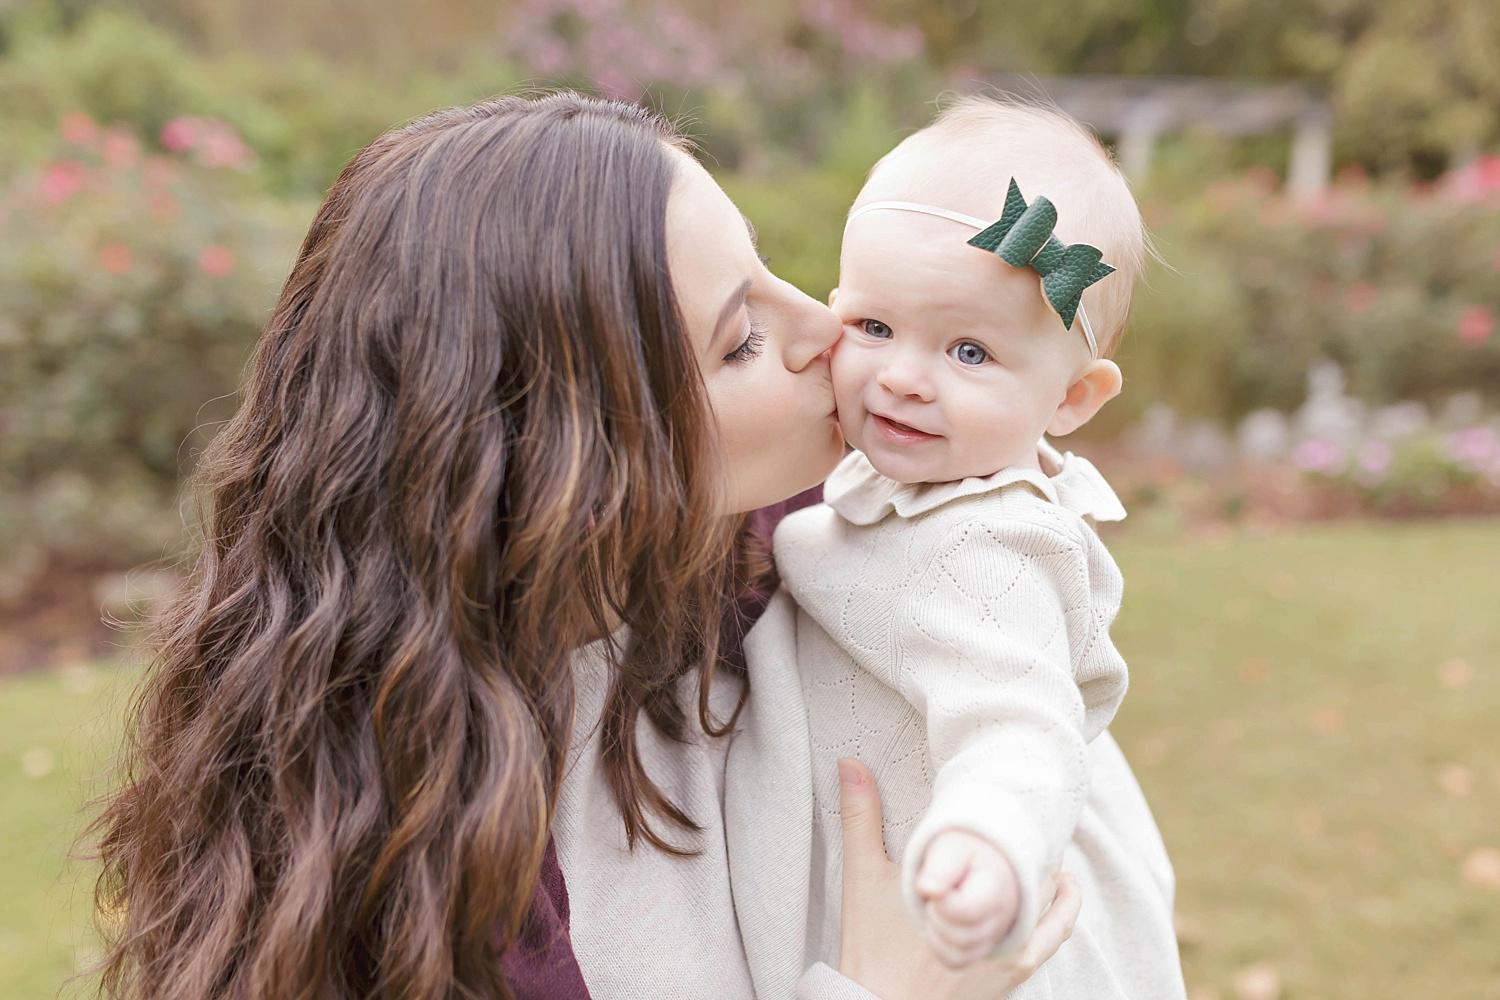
(863,496)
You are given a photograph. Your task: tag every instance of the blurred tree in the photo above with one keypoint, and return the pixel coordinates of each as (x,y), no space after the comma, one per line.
(1414,84)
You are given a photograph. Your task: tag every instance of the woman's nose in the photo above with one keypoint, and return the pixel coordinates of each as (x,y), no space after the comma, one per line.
(816,329)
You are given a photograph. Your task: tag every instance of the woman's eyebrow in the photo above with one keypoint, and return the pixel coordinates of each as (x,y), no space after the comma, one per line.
(731,306)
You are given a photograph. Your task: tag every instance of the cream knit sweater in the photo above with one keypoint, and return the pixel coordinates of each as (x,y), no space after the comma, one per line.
(955,637)
(649,925)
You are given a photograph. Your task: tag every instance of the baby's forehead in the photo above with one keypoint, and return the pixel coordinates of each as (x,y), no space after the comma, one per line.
(922,266)
(905,250)
(953,175)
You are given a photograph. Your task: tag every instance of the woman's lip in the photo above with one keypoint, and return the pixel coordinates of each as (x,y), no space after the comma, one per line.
(900,433)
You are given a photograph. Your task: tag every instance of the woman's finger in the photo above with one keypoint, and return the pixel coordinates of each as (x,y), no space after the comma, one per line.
(859,814)
(1055,926)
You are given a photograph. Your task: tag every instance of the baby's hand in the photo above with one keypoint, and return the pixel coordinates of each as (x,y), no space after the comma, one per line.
(970,897)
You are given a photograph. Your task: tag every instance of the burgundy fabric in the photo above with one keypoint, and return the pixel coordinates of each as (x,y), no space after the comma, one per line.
(541,964)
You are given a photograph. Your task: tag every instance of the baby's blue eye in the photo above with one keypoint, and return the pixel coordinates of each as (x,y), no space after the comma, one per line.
(876,329)
(969,353)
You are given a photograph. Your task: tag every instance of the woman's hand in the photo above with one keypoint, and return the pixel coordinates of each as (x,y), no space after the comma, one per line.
(880,947)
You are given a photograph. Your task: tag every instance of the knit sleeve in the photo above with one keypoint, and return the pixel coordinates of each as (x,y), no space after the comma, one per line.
(986,651)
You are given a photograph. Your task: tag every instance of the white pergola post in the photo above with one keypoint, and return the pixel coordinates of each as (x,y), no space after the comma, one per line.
(1312,155)
(1143,124)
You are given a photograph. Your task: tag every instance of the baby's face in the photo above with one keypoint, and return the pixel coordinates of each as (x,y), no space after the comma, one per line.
(951,363)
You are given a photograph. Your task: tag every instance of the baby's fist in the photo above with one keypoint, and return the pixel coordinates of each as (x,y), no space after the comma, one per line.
(969,894)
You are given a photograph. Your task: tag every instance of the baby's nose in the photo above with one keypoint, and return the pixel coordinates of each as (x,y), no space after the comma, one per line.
(906,377)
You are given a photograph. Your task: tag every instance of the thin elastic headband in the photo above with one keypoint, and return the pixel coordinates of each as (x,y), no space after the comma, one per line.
(965,220)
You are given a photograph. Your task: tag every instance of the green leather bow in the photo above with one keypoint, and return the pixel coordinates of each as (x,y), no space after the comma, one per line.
(1023,238)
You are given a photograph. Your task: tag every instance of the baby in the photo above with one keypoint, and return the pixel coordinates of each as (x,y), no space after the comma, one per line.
(954,602)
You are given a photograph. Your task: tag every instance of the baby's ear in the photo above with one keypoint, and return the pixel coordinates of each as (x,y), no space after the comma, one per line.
(1099,383)
(832,295)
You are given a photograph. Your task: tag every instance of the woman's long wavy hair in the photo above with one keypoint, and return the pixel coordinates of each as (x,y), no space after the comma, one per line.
(473,439)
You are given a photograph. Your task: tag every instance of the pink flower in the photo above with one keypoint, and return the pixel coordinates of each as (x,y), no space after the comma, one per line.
(1316,455)
(160,171)
(220,146)
(1262,180)
(550,57)
(62,181)
(1475,325)
(1352,175)
(115,258)
(78,128)
(1473,444)
(162,206)
(216,261)
(121,151)
(1375,457)
(1476,180)
(1221,197)
(1359,298)
(215,143)
(179,134)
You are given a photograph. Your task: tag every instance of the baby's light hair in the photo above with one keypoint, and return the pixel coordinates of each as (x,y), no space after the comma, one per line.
(965,159)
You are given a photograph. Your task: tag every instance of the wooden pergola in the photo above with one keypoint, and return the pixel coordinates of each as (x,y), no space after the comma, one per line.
(1136,111)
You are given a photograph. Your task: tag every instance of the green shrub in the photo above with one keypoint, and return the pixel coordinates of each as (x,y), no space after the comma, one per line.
(303,116)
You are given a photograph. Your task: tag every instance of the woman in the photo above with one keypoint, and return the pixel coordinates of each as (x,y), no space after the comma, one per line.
(486,476)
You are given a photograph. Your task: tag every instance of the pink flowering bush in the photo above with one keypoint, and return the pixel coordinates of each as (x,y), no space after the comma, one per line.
(1434,472)
(752,83)
(1399,285)
(133,284)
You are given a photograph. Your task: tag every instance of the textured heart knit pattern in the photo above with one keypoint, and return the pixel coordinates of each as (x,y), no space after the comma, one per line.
(955,638)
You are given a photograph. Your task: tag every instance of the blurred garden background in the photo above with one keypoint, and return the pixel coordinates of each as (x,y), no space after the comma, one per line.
(1309,440)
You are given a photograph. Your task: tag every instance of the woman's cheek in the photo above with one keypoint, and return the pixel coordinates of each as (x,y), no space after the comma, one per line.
(752,413)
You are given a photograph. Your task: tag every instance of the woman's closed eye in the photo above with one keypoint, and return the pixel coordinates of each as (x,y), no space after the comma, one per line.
(968,353)
(875,328)
(750,348)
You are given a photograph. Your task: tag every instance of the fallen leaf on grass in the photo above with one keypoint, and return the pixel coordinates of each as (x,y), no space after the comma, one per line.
(1455,673)
(1152,750)
(1254,670)
(1328,720)
(37,762)
(78,678)
(1282,587)
(1260,981)
(1481,868)
(1190,932)
(1455,779)
(1310,822)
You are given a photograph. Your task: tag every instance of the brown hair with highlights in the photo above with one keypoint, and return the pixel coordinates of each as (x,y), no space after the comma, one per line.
(473,438)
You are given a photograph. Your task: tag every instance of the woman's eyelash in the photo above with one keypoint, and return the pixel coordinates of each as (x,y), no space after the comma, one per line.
(751,348)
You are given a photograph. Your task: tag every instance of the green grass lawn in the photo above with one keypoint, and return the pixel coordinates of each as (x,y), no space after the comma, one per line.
(1315,715)
(57,730)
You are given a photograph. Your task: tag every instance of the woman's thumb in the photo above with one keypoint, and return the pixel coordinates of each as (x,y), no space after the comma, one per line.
(859,809)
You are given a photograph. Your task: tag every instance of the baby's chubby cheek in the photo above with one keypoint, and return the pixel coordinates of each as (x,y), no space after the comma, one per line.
(848,384)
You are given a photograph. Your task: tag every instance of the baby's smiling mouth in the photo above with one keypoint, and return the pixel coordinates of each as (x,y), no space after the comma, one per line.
(902,433)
